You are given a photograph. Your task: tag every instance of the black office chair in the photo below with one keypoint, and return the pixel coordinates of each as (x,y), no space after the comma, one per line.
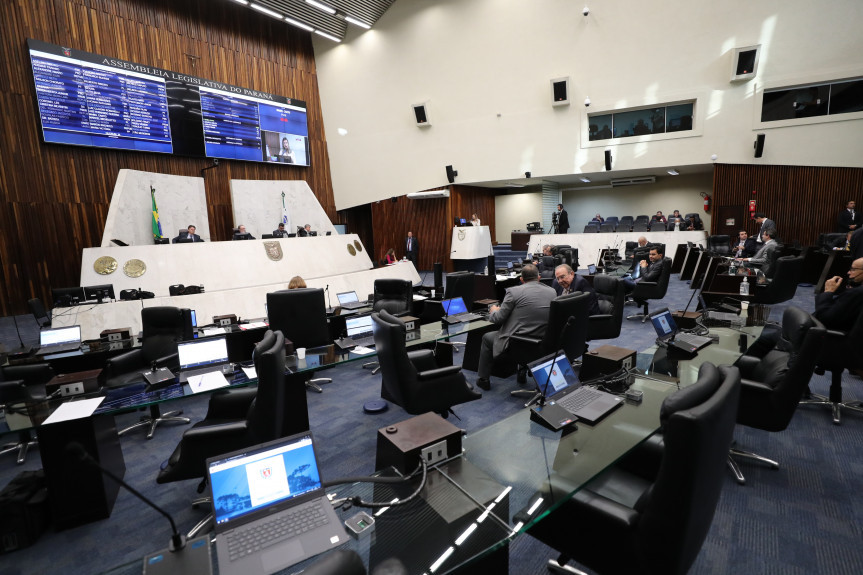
(39,312)
(301,315)
(656,226)
(393,295)
(629,249)
(611,294)
(642,219)
(460,284)
(607,227)
(640,227)
(566,329)
(591,228)
(612,220)
(651,512)
(22,388)
(565,254)
(162,329)
(625,224)
(775,372)
(719,245)
(413,380)
(645,291)
(784,283)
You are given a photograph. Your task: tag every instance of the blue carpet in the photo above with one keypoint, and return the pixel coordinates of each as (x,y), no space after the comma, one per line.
(805,517)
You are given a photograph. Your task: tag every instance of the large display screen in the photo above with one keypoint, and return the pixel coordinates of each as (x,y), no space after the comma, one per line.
(86,99)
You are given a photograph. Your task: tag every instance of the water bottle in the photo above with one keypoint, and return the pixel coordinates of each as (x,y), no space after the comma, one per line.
(744,286)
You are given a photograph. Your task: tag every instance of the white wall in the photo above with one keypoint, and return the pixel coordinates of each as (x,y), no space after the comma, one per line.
(484,68)
(514,211)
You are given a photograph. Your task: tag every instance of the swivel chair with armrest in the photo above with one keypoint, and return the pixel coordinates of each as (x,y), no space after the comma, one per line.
(611,296)
(783,285)
(236,418)
(460,284)
(413,380)
(162,329)
(651,512)
(566,329)
(719,244)
(396,297)
(40,314)
(645,291)
(301,315)
(775,372)
(21,387)
(841,351)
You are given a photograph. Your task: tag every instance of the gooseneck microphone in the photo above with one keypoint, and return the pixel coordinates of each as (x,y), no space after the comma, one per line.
(329,305)
(77,452)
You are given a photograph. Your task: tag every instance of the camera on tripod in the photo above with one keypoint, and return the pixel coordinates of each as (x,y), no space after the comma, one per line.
(554,217)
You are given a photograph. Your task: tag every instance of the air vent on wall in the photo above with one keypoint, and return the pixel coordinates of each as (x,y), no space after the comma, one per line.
(633,181)
(431,194)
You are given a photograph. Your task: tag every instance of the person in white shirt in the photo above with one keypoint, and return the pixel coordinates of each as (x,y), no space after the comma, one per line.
(474,220)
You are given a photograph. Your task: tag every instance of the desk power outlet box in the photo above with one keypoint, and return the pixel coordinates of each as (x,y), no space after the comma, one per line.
(427,437)
(72,388)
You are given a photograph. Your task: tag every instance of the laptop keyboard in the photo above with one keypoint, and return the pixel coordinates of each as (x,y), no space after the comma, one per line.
(463,317)
(249,539)
(691,340)
(368,341)
(578,399)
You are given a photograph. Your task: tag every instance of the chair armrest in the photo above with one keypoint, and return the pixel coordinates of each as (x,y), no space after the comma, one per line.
(523,339)
(423,359)
(756,387)
(600,317)
(644,289)
(438,372)
(231,404)
(746,364)
(210,432)
(168,360)
(125,362)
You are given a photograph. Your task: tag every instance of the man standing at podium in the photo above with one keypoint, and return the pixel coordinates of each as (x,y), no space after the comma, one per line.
(412,249)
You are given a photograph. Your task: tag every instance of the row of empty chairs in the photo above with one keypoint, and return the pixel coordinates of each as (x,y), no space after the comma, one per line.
(640,224)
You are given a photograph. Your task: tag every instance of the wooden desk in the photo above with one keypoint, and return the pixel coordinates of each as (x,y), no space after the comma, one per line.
(520,240)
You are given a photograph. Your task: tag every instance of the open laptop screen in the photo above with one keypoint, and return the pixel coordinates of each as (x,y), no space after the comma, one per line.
(202,352)
(562,376)
(60,335)
(454,306)
(347,297)
(358,326)
(663,323)
(262,476)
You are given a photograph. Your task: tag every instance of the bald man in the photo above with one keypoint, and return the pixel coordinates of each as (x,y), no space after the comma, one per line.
(838,309)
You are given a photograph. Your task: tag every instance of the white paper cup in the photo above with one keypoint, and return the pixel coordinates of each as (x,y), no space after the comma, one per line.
(301,353)
(744,308)
(432,291)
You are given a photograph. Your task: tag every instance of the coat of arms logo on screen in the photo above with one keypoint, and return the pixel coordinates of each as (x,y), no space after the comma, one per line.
(462,235)
(266,472)
(274,250)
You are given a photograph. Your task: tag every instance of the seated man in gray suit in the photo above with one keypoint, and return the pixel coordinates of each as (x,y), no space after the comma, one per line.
(524,311)
(765,258)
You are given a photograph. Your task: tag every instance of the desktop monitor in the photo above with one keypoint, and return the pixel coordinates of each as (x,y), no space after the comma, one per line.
(462,221)
(99,292)
(65,297)
(245,236)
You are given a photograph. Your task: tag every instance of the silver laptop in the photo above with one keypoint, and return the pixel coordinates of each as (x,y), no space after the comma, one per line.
(59,339)
(270,508)
(558,382)
(360,330)
(668,333)
(350,300)
(455,311)
(201,356)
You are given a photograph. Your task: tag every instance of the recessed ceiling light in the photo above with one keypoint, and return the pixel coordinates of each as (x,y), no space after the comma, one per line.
(300,25)
(673,172)
(327,36)
(356,22)
(320,6)
(585,180)
(266,11)
(243,2)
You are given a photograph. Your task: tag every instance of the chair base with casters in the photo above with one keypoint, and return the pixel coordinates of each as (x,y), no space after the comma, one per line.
(645,313)
(155,418)
(559,566)
(314,384)
(372,365)
(835,406)
(24,443)
(735,468)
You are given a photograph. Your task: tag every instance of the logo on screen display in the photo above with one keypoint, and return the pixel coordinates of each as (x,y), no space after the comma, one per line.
(267,472)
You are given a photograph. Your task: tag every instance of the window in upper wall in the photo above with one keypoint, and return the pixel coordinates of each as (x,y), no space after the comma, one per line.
(830,99)
(640,122)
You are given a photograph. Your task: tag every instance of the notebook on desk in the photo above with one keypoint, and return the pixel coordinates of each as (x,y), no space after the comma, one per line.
(350,300)
(668,333)
(59,339)
(270,508)
(360,332)
(455,311)
(556,379)
(202,356)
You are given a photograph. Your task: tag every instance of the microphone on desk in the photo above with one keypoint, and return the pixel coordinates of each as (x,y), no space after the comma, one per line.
(24,350)
(544,391)
(329,305)
(76,452)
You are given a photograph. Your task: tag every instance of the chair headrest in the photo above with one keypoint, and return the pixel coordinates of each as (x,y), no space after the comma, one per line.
(697,393)
(795,322)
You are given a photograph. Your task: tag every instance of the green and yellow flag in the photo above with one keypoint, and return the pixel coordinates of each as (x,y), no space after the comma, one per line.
(157,226)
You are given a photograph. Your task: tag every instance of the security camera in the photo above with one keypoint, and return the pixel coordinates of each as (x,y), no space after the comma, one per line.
(586,102)
(586,11)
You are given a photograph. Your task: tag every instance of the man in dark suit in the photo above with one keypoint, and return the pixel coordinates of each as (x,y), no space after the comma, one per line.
(765,258)
(412,249)
(651,268)
(566,281)
(190,233)
(746,247)
(305,231)
(562,220)
(857,244)
(523,311)
(280,233)
(838,309)
(764,223)
(242,234)
(849,218)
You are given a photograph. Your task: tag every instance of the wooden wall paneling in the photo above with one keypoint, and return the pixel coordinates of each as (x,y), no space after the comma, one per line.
(428,221)
(56,197)
(468,200)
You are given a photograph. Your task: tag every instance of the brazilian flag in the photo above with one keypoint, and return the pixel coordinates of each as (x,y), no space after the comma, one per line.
(157,226)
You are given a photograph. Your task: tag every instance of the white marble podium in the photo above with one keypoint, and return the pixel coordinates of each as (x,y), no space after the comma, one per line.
(590,245)
(470,243)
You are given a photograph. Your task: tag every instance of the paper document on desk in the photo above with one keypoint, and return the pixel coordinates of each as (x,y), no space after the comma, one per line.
(214,331)
(74,410)
(207,382)
(362,350)
(418,297)
(250,372)
(252,325)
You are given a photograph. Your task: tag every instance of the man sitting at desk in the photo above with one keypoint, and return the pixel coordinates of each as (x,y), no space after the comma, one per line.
(242,234)
(837,308)
(280,233)
(566,281)
(189,237)
(767,254)
(523,311)
(305,231)
(650,272)
(746,246)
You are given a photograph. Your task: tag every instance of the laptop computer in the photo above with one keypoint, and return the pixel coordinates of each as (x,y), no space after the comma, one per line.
(270,507)
(558,382)
(350,300)
(668,333)
(455,311)
(202,356)
(59,339)
(360,332)
(730,316)
(591,269)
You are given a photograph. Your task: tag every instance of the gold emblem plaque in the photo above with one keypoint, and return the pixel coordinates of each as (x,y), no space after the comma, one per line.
(134,268)
(351,250)
(462,235)
(274,250)
(358,245)
(105,265)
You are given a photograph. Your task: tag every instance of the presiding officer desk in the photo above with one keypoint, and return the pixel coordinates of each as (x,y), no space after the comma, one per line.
(475,503)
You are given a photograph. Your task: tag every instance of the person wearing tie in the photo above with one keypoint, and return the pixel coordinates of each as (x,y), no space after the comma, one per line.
(746,247)
(280,232)
(764,224)
(193,237)
(849,218)
(412,249)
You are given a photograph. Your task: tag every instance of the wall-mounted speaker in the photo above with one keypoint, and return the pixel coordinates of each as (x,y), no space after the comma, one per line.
(744,63)
(759,145)
(608,160)
(421,114)
(450,174)
(560,91)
